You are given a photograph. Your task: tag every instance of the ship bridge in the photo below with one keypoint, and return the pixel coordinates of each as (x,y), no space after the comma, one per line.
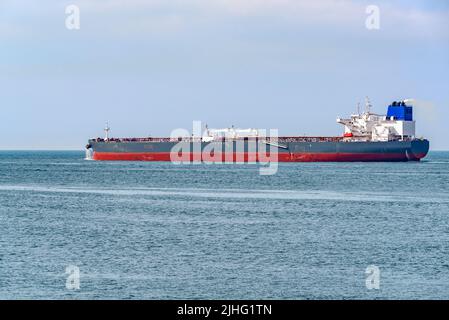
(397,124)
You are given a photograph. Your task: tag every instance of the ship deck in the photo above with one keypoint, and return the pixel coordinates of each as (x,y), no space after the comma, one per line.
(199,139)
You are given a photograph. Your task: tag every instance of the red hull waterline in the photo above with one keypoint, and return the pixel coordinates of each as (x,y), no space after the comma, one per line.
(254,157)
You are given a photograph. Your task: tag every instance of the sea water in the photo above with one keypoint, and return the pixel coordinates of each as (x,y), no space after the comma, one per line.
(154,230)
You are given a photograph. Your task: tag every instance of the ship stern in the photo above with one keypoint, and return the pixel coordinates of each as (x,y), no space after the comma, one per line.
(418,149)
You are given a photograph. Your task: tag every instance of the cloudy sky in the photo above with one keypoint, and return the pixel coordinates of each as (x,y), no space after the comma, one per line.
(150,66)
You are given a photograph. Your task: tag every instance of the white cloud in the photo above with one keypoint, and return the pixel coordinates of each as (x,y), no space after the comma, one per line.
(299,8)
(340,13)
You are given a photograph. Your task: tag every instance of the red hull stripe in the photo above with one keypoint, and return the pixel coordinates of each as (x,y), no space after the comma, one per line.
(254,157)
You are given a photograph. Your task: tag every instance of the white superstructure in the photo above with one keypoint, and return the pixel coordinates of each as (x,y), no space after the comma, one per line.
(369,126)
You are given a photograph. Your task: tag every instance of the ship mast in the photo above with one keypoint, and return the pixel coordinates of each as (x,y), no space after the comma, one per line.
(106,132)
(367,105)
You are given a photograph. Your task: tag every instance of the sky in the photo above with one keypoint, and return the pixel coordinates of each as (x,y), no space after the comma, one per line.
(151,66)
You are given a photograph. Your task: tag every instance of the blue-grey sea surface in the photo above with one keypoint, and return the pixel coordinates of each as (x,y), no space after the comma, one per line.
(153,230)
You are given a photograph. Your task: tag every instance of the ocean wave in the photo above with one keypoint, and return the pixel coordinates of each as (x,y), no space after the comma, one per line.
(238,193)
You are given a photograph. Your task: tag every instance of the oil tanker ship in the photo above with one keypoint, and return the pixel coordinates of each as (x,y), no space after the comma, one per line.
(367,137)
